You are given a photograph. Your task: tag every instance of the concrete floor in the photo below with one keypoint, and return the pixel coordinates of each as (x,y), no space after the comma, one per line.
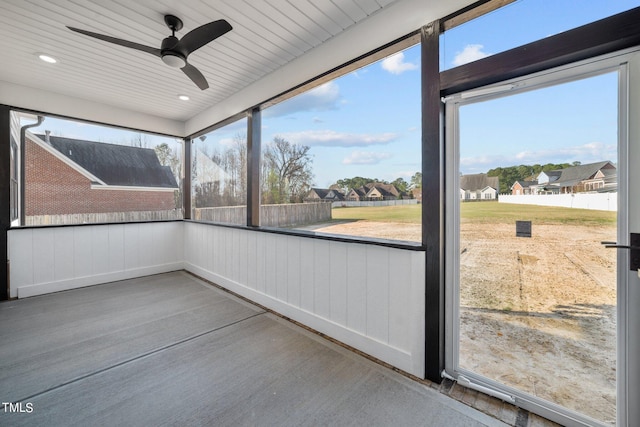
(172,350)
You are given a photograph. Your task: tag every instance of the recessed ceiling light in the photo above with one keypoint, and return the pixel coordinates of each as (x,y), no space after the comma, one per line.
(183,97)
(47,58)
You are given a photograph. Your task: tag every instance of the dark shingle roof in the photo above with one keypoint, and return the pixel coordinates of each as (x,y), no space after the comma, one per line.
(525,184)
(575,174)
(360,192)
(116,164)
(333,194)
(387,190)
(478,182)
(327,193)
(320,192)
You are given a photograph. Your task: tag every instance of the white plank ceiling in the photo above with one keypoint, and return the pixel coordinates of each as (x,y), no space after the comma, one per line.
(266,36)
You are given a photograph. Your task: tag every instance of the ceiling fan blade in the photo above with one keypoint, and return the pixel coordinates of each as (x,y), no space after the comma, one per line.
(202,35)
(125,43)
(196,76)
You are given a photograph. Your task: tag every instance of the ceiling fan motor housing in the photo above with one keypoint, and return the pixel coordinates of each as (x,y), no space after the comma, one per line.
(170,56)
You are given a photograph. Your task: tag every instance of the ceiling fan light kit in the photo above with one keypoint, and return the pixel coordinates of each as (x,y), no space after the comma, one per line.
(173,51)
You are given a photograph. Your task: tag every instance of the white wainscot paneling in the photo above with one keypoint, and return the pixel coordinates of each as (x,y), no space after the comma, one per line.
(52,259)
(369,297)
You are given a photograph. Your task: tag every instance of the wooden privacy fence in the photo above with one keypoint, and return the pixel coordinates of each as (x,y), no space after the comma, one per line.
(105,217)
(286,215)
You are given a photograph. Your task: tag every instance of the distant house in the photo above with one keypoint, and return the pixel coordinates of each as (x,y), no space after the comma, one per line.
(374,191)
(547,177)
(599,176)
(479,187)
(488,193)
(70,176)
(356,194)
(522,187)
(378,191)
(324,195)
(416,193)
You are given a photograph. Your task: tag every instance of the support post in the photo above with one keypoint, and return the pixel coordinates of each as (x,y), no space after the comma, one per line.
(254,134)
(5,197)
(433,202)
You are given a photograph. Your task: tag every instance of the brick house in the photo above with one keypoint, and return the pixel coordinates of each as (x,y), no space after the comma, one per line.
(374,191)
(324,195)
(69,176)
(522,187)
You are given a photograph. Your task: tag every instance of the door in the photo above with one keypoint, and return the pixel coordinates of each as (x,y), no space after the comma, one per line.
(539,312)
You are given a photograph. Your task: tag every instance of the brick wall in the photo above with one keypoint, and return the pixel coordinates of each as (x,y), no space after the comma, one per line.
(54,188)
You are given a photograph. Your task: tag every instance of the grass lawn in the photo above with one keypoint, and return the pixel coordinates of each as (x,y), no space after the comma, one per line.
(409,214)
(494,212)
(489,212)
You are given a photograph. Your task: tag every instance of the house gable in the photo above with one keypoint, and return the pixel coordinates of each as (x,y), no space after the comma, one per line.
(324,194)
(476,182)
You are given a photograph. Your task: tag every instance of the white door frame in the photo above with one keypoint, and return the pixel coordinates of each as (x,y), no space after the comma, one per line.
(627,63)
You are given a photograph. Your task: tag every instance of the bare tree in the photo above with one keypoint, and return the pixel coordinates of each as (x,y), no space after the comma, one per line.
(287,174)
(140,140)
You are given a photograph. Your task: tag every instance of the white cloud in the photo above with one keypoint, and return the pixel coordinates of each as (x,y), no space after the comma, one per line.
(395,64)
(365,158)
(585,153)
(329,90)
(330,138)
(470,53)
(325,97)
(405,174)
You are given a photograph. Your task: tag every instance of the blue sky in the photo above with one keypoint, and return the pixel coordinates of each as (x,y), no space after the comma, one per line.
(367,123)
(575,121)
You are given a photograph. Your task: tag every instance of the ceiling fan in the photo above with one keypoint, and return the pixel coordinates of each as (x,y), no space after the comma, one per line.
(174,52)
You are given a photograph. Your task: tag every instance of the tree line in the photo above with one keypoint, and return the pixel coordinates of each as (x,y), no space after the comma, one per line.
(510,174)
(401,184)
(219,175)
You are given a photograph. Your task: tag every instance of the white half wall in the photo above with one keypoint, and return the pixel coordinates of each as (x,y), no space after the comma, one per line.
(52,259)
(369,297)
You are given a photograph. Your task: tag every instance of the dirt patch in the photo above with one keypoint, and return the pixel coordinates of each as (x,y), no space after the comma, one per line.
(537,314)
(378,230)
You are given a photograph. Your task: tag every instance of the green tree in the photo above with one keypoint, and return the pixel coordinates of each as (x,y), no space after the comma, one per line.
(401,185)
(347,184)
(416,180)
(510,174)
